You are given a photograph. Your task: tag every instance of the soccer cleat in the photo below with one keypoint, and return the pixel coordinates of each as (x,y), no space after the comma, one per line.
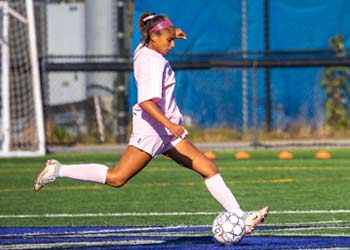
(49,174)
(254,219)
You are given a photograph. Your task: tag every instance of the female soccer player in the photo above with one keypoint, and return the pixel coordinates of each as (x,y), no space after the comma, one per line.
(157,126)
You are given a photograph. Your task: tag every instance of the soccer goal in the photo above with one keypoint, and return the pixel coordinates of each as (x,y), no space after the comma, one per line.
(21,115)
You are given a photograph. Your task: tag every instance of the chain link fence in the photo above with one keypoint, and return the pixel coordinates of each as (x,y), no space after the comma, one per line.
(224,98)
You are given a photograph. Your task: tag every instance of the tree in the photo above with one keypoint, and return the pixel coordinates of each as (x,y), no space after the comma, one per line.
(336,82)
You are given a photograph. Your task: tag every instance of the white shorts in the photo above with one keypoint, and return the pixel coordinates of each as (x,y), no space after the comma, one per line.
(155,144)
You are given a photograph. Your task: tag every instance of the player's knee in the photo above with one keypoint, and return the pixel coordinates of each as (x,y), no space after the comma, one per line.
(208,170)
(211,172)
(115,181)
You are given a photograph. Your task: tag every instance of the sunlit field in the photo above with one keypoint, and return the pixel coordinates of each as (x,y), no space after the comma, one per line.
(307,196)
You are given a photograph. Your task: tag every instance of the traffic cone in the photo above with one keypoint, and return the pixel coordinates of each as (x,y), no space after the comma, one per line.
(323,154)
(242,155)
(285,155)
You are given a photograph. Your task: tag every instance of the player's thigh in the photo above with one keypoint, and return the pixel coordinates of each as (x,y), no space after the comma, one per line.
(189,156)
(132,161)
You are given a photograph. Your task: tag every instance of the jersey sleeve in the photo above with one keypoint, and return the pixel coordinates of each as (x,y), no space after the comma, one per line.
(149,77)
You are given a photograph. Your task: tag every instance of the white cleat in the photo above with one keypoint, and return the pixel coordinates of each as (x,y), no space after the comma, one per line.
(49,174)
(253,219)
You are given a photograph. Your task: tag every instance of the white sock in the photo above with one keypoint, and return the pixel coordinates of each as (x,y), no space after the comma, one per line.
(85,172)
(223,194)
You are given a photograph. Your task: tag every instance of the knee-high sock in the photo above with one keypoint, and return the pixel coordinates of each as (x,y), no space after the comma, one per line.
(85,172)
(223,194)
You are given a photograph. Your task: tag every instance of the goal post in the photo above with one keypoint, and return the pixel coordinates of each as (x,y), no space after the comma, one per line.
(21,114)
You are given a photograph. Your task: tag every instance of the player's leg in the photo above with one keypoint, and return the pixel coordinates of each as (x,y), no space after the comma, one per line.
(84,172)
(132,161)
(187,155)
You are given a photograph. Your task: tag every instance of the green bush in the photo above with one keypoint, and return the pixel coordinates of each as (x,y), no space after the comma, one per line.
(336,82)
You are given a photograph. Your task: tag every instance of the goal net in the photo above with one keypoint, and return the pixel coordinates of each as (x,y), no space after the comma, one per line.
(21,115)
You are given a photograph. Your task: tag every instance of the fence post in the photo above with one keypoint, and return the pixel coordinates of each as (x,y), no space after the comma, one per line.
(121,88)
(255,139)
(267,70)
(244,46)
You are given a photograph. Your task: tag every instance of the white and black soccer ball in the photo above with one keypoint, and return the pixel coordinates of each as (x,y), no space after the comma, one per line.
(228,228)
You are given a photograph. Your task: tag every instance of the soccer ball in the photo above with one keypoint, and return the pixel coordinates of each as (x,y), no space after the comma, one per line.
(228,228)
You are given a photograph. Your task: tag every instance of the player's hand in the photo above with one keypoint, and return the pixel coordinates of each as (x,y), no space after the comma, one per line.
(177,130)
(180,34)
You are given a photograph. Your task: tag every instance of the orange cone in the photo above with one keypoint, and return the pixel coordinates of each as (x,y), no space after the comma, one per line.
(242,155)
(285,155)
(323,154)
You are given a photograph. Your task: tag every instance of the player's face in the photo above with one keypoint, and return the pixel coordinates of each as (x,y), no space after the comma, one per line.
(164,42)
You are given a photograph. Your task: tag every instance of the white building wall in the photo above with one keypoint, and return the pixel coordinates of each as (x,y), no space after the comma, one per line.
(66,36)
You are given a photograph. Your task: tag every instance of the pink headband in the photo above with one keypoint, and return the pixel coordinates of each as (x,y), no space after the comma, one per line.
(162,25)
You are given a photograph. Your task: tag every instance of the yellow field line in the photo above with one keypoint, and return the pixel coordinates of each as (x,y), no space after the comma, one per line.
(30,189)
(13,170)
(166,184)
(158,184)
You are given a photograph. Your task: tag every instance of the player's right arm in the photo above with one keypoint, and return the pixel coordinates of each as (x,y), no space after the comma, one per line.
(148,71)
(152,109)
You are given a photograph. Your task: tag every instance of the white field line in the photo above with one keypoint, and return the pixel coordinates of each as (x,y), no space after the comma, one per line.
(124,231)
(341,211)
(308,223)
(102,234)
(310,228)
(143,242)
(172,230)
(67,245)
(105,235)
(272,234)
(68,215)
(18,216)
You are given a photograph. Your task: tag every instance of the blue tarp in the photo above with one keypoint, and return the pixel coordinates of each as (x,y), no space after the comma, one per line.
(215,98)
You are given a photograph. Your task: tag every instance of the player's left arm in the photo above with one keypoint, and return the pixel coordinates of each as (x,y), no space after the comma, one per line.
(180,34)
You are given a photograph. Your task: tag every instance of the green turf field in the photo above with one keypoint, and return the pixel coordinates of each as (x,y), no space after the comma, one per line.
(301,190)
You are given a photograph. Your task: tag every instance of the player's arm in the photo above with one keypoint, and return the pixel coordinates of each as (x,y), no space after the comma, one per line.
(152,109)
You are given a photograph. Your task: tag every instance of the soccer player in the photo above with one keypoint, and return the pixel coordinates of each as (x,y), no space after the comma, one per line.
(157,126)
